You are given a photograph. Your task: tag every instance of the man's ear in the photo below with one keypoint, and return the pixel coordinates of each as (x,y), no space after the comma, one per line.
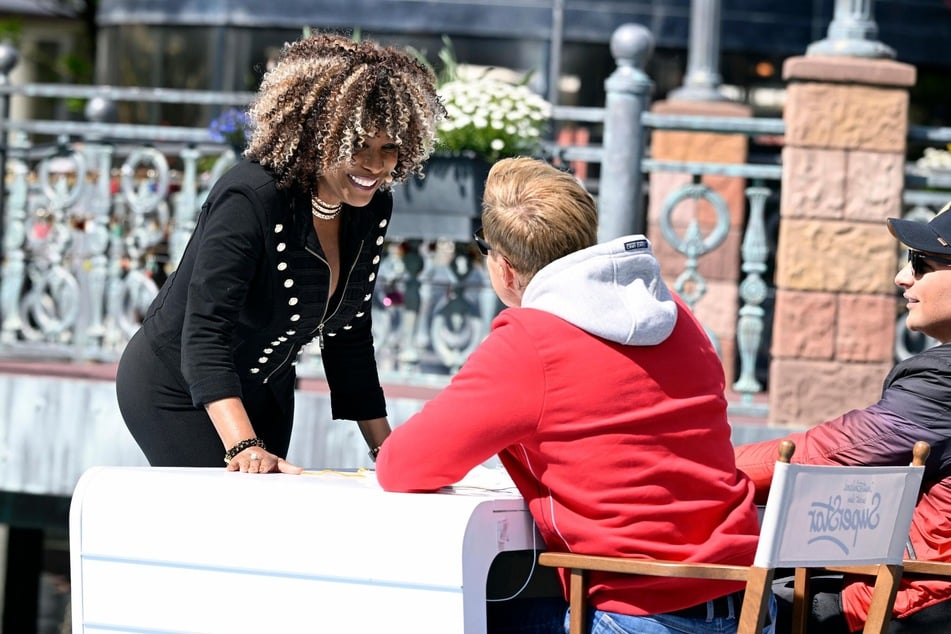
(509,277)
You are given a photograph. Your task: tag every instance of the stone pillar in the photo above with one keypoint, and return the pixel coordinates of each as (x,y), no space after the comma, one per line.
(843,175)
(717,309)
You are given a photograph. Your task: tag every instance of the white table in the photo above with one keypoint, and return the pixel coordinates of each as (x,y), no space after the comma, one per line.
(205,550)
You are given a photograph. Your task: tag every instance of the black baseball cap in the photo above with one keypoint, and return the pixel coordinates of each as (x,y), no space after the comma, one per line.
(931,237)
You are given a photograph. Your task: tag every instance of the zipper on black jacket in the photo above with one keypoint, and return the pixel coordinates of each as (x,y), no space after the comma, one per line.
(324,317)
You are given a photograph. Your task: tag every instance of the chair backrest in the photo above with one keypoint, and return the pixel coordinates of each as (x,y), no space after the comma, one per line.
(818,515)
(840,518)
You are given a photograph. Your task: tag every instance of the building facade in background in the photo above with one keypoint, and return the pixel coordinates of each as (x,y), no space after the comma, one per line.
(226,44)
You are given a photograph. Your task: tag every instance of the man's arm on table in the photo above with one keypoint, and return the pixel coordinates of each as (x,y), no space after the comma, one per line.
(494,401)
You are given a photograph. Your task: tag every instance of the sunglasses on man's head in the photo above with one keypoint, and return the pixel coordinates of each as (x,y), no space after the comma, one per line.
(484,247)
(919,261)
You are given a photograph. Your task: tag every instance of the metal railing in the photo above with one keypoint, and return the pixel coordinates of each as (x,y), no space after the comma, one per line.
(95,218)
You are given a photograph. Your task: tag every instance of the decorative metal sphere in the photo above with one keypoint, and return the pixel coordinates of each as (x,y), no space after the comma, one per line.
(100,110)
(632,44)
(9,56)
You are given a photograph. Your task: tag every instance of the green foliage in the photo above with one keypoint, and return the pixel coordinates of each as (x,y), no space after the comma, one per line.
(450,65)
(11,30)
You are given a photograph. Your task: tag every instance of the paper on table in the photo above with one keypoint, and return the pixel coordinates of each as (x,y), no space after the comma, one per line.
(357,477)
(482,478)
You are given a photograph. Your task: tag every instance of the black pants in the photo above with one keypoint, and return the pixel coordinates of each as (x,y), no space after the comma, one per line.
(826,616)
(169,429)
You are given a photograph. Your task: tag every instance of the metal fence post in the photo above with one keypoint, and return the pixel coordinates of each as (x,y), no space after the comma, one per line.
(853,32)
(753,292)
(98,110)
(628,91)
(702,82)
(8,60)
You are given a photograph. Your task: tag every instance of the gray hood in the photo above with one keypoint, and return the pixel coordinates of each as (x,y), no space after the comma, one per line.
(612,290)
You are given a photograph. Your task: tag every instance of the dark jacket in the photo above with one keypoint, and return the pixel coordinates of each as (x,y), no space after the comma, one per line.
(252,289)
(915,405)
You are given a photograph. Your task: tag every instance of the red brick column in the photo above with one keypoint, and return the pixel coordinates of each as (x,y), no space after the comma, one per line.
(843,174)
(720,268)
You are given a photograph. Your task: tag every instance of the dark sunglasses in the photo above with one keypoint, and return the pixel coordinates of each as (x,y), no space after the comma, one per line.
(919,261)
(484,247)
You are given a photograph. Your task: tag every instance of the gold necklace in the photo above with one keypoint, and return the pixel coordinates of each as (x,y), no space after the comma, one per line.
(323,211)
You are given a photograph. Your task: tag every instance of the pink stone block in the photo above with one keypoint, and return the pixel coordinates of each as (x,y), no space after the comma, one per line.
(823,255)
(848,117)
(857,70)
(717,310)
(728,359)
(709,147)
(803,325)
(865,330)
(733,192)
(672,145)
(807,393)
(874,186)
(814,183)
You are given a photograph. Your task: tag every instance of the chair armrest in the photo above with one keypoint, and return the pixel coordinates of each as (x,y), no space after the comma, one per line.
(650,567)
(869,570)
(920,567)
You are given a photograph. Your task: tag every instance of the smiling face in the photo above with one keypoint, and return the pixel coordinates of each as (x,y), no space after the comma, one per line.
(356,182)
(928,295)
(324,95)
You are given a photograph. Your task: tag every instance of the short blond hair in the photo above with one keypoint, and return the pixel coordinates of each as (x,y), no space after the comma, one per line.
(534,213)
(327,94)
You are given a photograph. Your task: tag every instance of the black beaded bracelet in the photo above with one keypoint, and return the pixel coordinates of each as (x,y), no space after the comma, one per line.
(241,446)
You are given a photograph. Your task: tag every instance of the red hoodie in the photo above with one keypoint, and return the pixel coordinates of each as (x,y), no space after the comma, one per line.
(619,450)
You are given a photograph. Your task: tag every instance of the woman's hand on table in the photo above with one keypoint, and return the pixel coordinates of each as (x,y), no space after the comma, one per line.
(257,460)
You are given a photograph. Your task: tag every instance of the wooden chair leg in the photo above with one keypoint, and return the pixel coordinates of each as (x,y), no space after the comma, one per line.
(755,601)
(883,598)
(578,601)
(801,603)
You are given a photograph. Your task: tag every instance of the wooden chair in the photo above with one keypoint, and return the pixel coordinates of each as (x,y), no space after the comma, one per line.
(802,501)
(923,569)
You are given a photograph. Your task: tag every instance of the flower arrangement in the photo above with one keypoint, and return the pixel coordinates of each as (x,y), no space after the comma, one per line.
(488,116)
(230,127)
(491,118)
(935,159)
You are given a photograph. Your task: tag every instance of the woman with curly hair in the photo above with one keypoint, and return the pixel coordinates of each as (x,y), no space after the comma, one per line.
(285,251)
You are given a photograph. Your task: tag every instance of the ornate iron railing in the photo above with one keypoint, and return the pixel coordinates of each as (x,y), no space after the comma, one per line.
(97,217)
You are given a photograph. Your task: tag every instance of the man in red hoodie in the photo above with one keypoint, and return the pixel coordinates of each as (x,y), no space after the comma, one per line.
(915,405)
(603,398)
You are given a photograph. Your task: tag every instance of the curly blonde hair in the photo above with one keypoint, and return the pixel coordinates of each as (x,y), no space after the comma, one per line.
(327,94)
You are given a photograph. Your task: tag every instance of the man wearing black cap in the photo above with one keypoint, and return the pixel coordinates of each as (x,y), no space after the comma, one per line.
(915,405)
(929,249)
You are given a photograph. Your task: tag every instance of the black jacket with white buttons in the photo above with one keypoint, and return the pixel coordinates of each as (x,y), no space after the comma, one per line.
(252,289)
